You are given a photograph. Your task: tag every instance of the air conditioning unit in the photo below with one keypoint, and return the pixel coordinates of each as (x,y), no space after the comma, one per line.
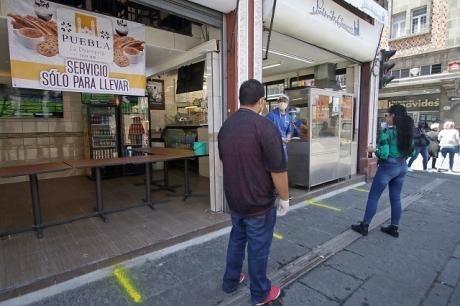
(414,72)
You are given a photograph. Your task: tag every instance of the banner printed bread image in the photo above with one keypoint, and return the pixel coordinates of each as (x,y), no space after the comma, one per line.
(127,50)
(36,33)
(40,35)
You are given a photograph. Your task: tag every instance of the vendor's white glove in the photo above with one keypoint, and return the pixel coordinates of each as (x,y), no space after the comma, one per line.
(283,208)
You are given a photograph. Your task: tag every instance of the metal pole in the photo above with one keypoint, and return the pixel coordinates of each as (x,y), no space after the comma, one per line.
(148,197)
(270,31)
(36,205)
(186,180)
(165,174)
(99,199)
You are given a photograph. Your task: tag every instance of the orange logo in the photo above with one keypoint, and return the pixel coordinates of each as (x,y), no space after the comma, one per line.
(86,24)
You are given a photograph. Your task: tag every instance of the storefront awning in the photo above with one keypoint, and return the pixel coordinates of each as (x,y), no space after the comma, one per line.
(371,8)
(223,6)
(325,24)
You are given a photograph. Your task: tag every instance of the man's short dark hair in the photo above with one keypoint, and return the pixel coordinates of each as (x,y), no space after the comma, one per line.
(250,92)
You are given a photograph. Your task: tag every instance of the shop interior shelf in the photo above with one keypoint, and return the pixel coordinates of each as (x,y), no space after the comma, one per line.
(104,147)
(101,124)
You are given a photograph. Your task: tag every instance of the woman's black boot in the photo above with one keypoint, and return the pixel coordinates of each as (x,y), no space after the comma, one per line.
(361,228)
(391,230)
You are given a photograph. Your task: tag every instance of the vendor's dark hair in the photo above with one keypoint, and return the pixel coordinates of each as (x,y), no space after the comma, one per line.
(250,92)
(405,127)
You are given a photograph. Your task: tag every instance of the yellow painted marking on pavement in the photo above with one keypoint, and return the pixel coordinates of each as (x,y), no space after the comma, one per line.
(123,278)
(278,236)
(360,189)
(312,202)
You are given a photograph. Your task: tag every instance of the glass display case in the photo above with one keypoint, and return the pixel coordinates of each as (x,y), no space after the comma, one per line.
(322,152)
(102,131)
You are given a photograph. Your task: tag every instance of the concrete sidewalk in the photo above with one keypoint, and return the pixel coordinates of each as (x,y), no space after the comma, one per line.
(422,267)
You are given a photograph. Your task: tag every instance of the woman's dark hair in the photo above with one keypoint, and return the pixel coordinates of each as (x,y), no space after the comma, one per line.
(422,125)
(405,128)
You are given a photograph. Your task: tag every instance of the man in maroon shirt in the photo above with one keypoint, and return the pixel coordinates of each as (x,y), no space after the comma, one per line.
(254,166)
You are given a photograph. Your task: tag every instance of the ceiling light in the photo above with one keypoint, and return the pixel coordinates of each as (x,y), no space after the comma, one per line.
(294,57)
(271,66)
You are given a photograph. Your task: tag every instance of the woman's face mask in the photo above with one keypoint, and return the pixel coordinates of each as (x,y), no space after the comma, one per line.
(282,106)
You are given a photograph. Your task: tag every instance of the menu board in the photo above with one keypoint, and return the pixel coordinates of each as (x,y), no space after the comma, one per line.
(104,99)
(30,103)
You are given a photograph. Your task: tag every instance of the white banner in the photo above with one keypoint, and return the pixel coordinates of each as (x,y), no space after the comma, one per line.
(60,48)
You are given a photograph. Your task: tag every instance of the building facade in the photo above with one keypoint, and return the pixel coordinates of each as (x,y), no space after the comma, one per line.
(426,35)
(229,37)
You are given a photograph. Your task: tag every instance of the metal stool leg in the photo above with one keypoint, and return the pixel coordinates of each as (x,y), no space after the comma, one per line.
(148,196)
(36,205)
(99,198)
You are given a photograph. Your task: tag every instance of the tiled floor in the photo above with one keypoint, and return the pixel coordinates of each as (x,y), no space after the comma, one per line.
(25,259)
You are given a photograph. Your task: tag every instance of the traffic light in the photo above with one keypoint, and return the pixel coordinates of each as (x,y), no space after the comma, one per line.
(384,75)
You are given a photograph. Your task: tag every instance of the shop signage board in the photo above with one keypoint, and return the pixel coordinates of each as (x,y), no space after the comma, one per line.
(55,47)
(413,103)
(340,30)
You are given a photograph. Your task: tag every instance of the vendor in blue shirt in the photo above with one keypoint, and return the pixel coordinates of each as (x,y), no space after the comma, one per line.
(296,123)
(282,120)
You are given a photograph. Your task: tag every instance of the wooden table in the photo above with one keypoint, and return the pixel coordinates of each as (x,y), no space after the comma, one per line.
(32,171)
(175,154)
(97,164)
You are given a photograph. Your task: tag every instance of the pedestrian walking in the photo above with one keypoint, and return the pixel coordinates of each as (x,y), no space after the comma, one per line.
(394,147)
(254,165)
(421,143)
(449,142)
(433,147)
(282,120)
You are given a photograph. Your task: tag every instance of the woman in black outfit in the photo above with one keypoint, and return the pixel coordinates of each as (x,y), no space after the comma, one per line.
(421,143)
(433,148)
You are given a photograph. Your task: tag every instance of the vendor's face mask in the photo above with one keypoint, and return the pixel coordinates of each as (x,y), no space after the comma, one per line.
(282,106)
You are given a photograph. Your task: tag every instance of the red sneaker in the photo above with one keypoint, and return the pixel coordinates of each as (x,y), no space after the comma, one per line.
(242,277)
(274,293)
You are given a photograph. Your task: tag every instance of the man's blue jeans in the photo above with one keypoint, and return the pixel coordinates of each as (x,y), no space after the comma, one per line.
(424,152)
(390,172)
(257,232)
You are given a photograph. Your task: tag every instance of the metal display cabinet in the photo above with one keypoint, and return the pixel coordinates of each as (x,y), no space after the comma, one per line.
(323,152)
(103,135)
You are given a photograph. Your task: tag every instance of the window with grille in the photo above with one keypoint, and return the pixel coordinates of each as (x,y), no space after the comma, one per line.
(396,73)
(425,70)
(405,73)
(436,68)
(419,20)
(398,25)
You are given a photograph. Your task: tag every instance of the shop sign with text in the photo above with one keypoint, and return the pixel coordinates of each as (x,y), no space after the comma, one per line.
(55,47)
(326,24)
(414,103)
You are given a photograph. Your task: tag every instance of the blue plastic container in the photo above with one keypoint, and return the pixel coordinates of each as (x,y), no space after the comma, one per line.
(200,147)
